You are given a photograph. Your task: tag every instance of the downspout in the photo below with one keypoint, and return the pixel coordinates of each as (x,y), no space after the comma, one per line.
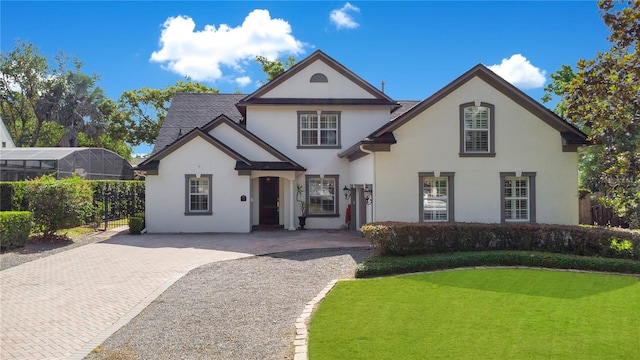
(373,186)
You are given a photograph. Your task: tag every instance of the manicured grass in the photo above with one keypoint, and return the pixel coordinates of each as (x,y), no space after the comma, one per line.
(480,314)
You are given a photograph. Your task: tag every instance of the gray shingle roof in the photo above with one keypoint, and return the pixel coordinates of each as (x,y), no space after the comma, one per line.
(405,105)
(189,110)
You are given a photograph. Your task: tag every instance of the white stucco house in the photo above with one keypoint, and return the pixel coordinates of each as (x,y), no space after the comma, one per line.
(5,137)
(478,150)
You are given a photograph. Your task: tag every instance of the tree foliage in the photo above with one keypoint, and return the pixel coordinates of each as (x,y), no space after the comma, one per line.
(145,109)
(603,99)
(275,67)
(53,105)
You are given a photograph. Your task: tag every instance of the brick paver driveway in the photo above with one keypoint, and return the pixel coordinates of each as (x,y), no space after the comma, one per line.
(64,305)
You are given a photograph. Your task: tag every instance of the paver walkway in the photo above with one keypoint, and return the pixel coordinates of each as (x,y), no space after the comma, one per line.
(64,305)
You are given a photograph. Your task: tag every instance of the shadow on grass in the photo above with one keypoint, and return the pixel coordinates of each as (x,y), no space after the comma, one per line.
(531,282)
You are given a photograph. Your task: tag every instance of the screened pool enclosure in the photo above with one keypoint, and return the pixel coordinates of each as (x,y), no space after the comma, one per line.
(89,163)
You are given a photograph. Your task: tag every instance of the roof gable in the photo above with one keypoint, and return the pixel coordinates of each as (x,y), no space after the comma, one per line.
(269,93)
(506,88)
(197,132)
(249,136)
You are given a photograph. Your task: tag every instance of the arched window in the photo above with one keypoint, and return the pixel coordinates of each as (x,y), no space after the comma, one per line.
(318,77)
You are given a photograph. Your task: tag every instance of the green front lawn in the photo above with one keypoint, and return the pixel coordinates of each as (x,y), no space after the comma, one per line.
(480,314)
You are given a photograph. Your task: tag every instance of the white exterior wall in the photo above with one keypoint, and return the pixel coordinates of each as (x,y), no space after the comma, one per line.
(361,170)
(298,86)
(165,193)
(431,142)
(278,126)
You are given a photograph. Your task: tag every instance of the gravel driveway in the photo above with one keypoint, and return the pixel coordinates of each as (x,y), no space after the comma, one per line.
(238,309)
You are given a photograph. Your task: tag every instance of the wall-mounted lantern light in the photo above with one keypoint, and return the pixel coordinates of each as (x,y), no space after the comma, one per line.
(368,195)
(347,192)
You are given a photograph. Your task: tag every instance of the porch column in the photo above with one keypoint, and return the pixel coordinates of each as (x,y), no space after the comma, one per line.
(292,207)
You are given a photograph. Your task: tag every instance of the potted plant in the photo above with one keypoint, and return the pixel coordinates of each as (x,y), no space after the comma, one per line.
(302,219)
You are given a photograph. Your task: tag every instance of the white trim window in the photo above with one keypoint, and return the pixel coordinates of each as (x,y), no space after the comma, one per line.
(198,194)
(435,198)
(516,198)
(476,129)
(321,195)
(318,129)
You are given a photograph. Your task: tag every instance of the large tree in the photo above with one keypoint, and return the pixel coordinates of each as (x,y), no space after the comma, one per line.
(59,105)
(603,99)
(146,108)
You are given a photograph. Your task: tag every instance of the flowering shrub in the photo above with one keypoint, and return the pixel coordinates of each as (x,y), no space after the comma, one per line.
(396,238)
(59,204)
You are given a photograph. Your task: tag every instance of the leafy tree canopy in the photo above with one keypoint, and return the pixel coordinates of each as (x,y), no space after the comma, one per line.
(145,109)
(603,99)
(275,67)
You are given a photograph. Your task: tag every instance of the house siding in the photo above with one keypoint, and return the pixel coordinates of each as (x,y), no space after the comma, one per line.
(430,142)
(166,194)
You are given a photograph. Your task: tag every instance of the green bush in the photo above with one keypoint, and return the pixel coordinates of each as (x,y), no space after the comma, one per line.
(15,227)
(59,204)
(136,224)
(396,238)
(378,265)
(12,196)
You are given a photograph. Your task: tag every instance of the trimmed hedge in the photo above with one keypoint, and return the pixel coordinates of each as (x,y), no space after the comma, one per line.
(402,239)
(377,265)
(136,223)
(15,227)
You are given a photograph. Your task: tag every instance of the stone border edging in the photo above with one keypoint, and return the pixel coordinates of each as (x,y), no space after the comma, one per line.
(301,340)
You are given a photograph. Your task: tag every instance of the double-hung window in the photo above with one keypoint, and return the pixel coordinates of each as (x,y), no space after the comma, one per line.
(436,196)
(318,129)
(518,197)
(321,195)
(198,194)
(477,130)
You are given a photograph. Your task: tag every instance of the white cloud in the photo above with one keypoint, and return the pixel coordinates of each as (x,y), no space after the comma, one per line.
(243,81)
(342,17)
(520,72)
(200,54)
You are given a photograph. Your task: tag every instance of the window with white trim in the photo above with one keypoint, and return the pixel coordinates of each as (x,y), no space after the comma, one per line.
(318,129)
(198,194)
(477,129)
(518,197)
(321,195)
(436,197)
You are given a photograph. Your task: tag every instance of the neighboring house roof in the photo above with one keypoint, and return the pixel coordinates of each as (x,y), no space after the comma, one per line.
(379,98)
(571,135)
(191,110)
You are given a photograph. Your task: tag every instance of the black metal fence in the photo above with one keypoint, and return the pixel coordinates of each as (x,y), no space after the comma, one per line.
(116,206)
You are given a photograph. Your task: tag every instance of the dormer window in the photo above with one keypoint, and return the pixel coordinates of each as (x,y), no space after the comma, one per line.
(318,77)
(477,129)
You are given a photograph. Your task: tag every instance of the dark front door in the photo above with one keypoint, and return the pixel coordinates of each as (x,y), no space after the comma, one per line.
(269,190)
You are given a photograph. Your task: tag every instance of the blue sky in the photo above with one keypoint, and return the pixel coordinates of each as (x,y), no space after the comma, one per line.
(415,47)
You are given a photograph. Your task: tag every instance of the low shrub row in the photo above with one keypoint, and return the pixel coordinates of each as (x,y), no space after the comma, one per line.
(136,223)
(377,265)
(15,227)
(402,239)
